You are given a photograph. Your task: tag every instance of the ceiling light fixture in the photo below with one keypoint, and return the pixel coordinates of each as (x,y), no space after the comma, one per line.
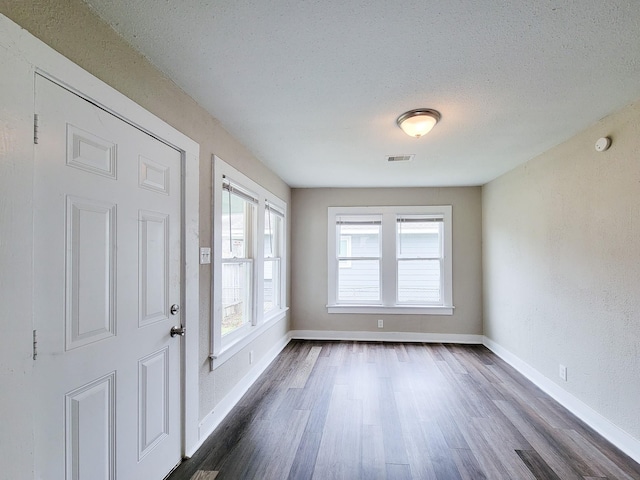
(419,122)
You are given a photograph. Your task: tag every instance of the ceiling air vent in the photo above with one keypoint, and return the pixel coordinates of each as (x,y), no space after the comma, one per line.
(400,158)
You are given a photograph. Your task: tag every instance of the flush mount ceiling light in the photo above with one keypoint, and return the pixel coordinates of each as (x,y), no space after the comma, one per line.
(419,122)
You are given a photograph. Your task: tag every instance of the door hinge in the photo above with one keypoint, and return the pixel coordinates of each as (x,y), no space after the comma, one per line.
(35,128)
(35,344)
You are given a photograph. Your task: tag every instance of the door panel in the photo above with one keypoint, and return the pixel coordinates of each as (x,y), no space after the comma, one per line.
(89,152)
(107,267)
(90,271)
(154,267)
(153,397)
(90,428)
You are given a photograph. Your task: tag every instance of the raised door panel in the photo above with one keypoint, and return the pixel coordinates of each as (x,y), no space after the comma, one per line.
(89,152)
(153,400)
(90,430)
(154,267)
(153,175)
(90,271)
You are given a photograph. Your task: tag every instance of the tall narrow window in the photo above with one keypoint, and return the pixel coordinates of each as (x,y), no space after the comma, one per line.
(273,229)
(420,261)
(237,262)
(358,248)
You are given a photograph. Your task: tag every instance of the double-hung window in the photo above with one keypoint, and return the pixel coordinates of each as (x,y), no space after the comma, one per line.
(390,260)
(419,246)
(358,258)
(249,256)
(238,239)
(273,246)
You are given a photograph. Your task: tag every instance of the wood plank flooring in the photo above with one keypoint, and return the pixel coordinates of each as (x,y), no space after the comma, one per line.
(360,410)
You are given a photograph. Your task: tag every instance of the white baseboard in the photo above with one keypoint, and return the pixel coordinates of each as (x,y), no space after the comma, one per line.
(386,336)
(613,433)
(222,409)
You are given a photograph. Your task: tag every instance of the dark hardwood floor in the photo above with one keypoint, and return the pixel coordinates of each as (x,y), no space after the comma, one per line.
(358,410)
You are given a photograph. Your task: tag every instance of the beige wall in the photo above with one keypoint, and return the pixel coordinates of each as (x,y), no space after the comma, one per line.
(562,266)
(309,259)
(72,29)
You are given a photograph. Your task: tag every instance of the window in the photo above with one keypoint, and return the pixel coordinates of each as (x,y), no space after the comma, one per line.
(420,259)
(249,252)
(273,229)
(238,215)
(359,265)
(390,260)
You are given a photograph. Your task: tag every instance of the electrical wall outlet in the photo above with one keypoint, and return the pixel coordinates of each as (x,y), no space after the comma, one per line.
(562,371)
(380,323)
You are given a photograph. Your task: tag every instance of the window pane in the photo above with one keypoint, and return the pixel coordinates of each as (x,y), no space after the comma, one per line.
(419,281)
(271,285)
(236,218)
(236,296)
(363,232)
(272,235)
(419,239)
(360,281)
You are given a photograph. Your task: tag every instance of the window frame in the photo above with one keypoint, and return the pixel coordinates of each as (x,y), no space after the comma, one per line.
(350,260)
(249,255)
(389,262)
(223,348)
(276,258)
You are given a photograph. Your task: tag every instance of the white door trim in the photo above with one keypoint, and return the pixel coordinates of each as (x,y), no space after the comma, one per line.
(50,63)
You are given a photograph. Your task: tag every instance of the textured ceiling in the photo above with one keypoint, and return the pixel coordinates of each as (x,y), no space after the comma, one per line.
(313,88)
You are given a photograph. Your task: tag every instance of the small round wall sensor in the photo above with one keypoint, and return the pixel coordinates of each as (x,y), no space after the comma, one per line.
(603,144)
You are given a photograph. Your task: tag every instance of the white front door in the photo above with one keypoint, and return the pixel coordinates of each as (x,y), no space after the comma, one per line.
(107,256)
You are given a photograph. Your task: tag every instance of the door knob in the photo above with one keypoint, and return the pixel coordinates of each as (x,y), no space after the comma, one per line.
(178,330)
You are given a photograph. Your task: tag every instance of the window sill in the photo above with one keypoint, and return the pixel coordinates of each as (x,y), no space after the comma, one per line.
(230,349)
(395,310)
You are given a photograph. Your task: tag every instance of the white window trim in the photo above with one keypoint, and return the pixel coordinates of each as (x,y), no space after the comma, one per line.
(388,272)
(222,349)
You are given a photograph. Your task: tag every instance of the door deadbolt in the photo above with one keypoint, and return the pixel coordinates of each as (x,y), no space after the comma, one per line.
(175,308)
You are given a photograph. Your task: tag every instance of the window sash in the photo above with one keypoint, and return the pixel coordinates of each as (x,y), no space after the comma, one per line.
(247,237)
(417,282)
(273,228)
(366,291)
(242,295)
(275,296)
(402,237)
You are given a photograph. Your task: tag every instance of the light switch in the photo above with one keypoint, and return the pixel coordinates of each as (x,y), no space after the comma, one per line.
(205,255)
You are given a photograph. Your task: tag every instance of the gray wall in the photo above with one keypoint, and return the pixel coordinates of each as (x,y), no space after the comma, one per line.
(309,259)
(72,29)
(562,266)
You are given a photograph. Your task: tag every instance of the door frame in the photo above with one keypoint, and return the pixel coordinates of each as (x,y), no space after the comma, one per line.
(45,61)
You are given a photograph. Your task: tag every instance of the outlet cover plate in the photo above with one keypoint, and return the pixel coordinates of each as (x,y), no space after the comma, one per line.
(562,371)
